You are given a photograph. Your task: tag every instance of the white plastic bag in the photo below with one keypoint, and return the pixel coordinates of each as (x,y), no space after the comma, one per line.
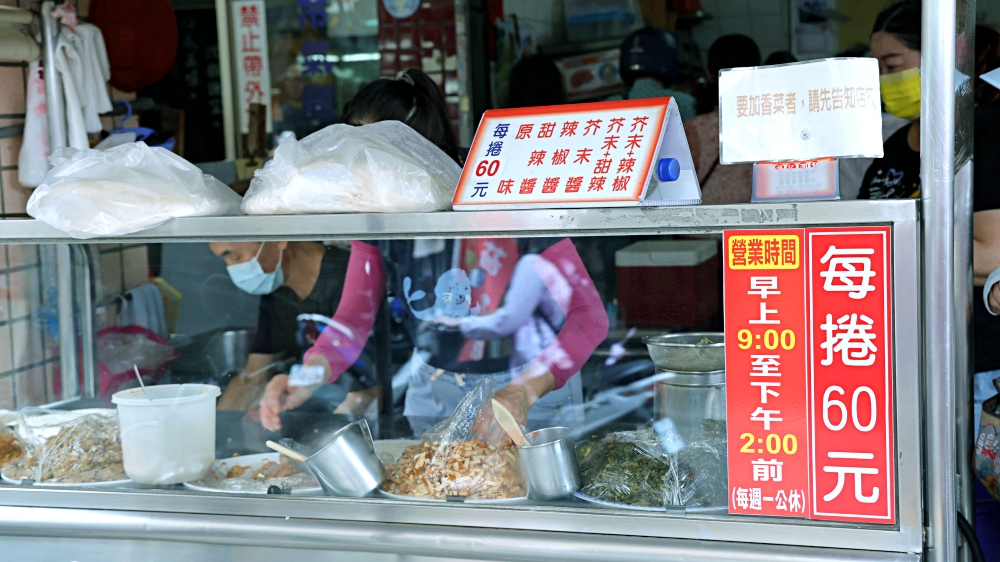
(384,167)
(125,189)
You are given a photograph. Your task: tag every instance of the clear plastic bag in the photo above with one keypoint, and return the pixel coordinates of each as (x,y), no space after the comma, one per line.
(125,189)
(635,468)
(384,167)
(467,455)
(68,447)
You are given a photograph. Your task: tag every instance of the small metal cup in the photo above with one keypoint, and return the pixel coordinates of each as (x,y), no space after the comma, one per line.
(549,465)
(347,465)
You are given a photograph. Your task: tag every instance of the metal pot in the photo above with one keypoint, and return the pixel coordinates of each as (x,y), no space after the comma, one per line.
(687,398)
(693,351)
(347,465)
(549,464)
(226,352)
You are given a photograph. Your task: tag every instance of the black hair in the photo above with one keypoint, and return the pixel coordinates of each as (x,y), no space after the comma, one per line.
(413,99)
(902,21)
(732,51)
(535,81)
(780,57)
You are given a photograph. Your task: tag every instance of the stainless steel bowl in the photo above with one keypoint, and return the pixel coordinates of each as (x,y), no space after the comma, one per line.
(691,352)
(347,465)
(549,464)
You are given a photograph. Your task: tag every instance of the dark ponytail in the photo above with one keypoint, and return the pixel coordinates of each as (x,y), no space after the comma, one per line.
(414,99)
(901,20)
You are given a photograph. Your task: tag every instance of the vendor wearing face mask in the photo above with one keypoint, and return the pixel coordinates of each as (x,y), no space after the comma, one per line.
(293,279)
(895,42)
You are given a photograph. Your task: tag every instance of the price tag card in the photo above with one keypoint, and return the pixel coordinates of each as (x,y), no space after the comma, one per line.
(619,153)
(809,384)
(800,111)
(305,375)
(766,391)
(796,181)
(852,452)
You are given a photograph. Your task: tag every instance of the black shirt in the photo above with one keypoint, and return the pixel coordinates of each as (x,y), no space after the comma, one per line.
(897,174)
(986,197)
(279,332)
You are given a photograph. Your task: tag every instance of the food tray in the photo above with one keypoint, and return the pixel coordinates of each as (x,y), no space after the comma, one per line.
(391,449)
(507,501)
(112,484)
(213,481)
(714,510)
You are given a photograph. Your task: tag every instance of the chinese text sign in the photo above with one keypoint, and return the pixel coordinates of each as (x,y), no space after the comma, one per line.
(800,111)
(809,373)
(253,84)
(585,153)
(765,372)
(850,375)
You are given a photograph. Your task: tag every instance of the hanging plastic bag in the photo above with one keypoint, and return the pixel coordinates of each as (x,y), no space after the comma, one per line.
(125,189)
(63,447)
(384,167)
(466,455)
(120,350)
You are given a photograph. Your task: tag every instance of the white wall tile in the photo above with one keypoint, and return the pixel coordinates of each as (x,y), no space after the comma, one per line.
(767,28)
(765,7)
(731,8)
(728,26)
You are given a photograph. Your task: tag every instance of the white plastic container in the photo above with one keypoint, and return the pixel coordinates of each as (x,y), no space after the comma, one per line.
(168,432)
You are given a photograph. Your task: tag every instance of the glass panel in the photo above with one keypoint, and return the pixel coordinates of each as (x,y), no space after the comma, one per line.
(321,53)
(965,57)
(554,329)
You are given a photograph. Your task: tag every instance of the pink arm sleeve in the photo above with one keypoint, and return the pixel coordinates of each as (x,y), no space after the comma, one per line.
(364,286)
(586,320)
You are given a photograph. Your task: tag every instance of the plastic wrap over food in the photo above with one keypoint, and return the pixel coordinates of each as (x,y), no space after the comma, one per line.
(68,447)
(634,468)
(468,455)
(384,167)
(125,189)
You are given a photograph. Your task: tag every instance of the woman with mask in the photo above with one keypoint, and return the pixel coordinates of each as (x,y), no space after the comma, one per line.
(438,281)
(895,42)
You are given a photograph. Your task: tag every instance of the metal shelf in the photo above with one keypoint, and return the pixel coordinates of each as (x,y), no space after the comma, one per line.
(519,223)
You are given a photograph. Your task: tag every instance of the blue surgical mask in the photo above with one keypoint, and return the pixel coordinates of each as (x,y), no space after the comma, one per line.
(250,276)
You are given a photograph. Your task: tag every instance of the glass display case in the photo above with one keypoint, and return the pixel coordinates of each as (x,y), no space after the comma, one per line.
(411,317)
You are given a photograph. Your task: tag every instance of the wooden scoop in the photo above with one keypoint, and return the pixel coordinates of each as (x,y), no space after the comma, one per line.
(509,424)
(286,451)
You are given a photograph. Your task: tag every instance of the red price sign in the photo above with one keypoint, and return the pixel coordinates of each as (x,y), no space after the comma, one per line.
(809,373)
(766,348)
(850,375)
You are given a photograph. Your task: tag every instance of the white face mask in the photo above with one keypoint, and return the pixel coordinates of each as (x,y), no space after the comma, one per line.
(252,278)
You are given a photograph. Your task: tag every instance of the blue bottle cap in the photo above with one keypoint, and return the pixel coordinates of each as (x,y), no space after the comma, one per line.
(668,169)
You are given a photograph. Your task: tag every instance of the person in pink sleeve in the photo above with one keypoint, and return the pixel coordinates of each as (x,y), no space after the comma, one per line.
(462,300)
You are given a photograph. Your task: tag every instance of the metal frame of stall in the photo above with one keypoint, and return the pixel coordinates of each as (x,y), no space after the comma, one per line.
(931,245)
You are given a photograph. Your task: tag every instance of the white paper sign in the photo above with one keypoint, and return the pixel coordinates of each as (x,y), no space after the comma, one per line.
(253,74)
(800,111)
(795,181)
(594,154)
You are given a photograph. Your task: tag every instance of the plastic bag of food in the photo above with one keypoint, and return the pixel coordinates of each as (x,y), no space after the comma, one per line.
(467,455)
(10,448)
(125,189)
(704,460)
(384,167)
(635,468)
(68,447)
(631,467)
